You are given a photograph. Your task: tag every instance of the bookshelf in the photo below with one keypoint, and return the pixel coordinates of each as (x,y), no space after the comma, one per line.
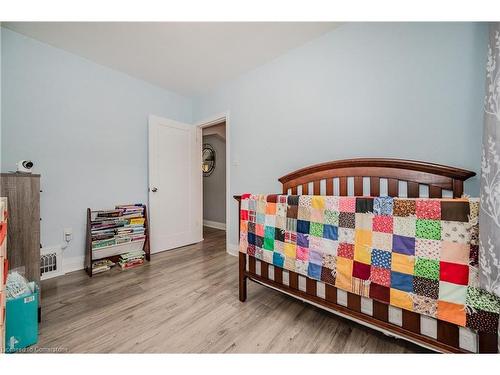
(114,232)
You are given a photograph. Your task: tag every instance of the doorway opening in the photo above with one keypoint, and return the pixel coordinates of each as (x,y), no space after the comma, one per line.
(214,172)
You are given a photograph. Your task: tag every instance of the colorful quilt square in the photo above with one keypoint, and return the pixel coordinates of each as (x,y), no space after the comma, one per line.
(402,281)
(454,231)
(303,226)
(259,230)
(347,204)
(289,263)
(292,212)
(330,246)
(251,238)
(304,213)
(280,222)
(316,229)
(403,245)
(259,241)
(364,205)
(380,292)
(244,215)
(331,217)
(268,243)
(315,243)
(347,220)
(405,226)
(259,253)
(302,253)
(363,221)
(315,257)
(329,261)
(290,250)
(314,271)
(271,209)
(301,267)
(344,273)
(318,202)
(451,312)
(455,210)
(317,215)
(290,237)
(403,263)
(426,287)
(482,321)
(251,250)
(291,225)
(430,249)
(346,235)
(403,207)
(428,209)
(267,256)
(278,259)
(279,246)
(269,232)
(293,200)
(346,250)
(482,300)
(402,299)
(453,252)
(332,203)
(328,275)
(362,254)
(330,232)
(303,239)
(271,198)
(279,234)
(305,200)
(381,276)
(381,258)
(454,273)
(382,224)
(428,268)
(382,206)
(382,241)
(452,292)
(281,209)
(424,305)
(361,270)
(429,229)
(260,218)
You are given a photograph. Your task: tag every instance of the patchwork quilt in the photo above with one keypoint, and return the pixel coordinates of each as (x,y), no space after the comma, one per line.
(416,254)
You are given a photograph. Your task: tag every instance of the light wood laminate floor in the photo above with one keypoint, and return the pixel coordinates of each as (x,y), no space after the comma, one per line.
(186,300)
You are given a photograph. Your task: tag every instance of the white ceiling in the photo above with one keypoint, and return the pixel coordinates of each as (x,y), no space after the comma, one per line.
(188,58)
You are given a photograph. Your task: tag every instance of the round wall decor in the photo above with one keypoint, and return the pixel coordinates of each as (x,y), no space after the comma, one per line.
(208,160)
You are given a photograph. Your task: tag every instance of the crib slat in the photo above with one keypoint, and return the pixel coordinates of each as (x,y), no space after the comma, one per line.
(392,187)
(310,286)
(380,311)
(343,186)
(305,189)
(317,187)
(448,333)
(435,192)
(374,186)
(412,189)
(411,321)
(294,190)
(358,186)
(329,186)
(330,293)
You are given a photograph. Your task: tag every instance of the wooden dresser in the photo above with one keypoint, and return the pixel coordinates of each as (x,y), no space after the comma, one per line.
(23,195)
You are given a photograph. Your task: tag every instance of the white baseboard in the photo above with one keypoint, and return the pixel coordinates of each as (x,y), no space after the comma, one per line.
(214,224)
(232,249)
(73,264)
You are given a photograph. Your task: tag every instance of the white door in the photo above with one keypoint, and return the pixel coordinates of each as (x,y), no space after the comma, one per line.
(174,184)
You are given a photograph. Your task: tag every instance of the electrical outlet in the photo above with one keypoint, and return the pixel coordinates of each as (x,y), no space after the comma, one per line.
(68,234)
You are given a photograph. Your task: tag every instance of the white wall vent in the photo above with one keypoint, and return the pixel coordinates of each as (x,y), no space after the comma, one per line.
(51,262)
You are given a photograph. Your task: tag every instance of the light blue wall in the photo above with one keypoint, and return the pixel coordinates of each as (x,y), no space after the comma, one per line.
(85,128)
(410,91)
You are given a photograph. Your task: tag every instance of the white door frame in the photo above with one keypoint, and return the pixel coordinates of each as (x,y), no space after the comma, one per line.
(213,120)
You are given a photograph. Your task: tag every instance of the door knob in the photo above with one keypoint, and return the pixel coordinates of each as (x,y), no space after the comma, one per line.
(154,190)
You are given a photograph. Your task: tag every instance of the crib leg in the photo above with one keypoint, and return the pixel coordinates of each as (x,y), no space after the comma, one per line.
(242,276)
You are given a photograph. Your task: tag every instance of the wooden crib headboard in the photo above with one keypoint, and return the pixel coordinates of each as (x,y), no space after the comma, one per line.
(336,175)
